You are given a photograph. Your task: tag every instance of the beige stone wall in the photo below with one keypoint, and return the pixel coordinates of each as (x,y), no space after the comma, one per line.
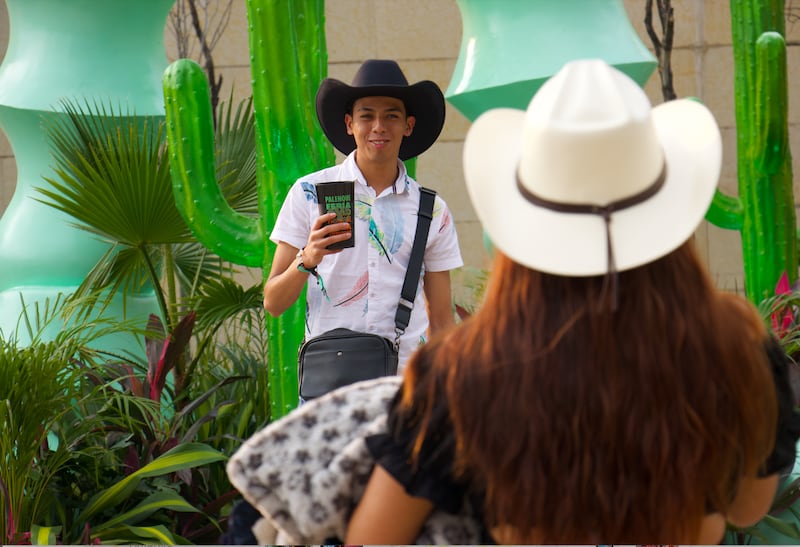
(424,36)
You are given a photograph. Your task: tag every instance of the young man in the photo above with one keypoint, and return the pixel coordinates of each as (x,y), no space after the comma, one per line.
(378,121)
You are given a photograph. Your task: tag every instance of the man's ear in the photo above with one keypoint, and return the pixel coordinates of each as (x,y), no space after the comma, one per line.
(410,122)
(348,123)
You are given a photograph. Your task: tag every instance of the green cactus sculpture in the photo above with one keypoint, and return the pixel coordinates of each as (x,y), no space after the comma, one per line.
(764,210)
(288,61)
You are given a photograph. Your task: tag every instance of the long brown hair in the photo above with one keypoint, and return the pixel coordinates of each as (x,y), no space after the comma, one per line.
(585,425)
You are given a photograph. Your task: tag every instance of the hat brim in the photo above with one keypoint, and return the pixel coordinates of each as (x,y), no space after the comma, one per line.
(423,99)
(575,244)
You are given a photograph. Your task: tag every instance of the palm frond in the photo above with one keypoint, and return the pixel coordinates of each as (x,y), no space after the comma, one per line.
(195,265)
(126,269)
(224,299)
(112,175)
(236,155)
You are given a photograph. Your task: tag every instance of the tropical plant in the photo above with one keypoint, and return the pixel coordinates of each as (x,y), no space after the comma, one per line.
(142,420)
(40,385)
(58,480)
(111,433)
(469,286)
(240,408)
(134,509)
(782,313)
(112,177)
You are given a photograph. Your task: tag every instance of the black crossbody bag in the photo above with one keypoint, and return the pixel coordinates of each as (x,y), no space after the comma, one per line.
(340,357)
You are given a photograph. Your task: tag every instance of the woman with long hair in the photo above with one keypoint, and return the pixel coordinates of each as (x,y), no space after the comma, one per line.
(605,391)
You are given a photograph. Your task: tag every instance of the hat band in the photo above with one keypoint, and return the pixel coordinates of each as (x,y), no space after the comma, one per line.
(605,211)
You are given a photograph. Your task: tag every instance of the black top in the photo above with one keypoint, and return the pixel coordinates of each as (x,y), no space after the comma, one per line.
(783,455)
(433,478)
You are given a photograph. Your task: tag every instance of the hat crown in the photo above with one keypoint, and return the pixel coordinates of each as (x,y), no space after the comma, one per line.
(588,137)
(379,72)
(590,179)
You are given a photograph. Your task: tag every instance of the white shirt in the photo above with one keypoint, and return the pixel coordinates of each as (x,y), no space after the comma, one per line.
(363,283)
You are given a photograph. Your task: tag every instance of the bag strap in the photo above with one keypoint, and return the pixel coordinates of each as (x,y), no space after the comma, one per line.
(402,317)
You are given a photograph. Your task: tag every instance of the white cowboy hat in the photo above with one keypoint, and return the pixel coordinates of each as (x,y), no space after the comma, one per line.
(591,179)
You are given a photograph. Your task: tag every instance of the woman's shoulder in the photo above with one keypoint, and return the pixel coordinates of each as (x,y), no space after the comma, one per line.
(418,451)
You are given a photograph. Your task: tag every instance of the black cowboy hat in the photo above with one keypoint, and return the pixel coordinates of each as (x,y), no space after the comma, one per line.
(423,100)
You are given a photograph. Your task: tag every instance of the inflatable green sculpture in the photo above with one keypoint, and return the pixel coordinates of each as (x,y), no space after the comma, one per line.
(764,210)
(510,48)
(288,61)
(76,49)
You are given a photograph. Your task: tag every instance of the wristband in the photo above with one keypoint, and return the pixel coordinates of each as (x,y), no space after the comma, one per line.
(302,267)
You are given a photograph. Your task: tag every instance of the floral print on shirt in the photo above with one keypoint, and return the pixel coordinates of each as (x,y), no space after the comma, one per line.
(387,238)
(446,219)
(358,291)
(310,191)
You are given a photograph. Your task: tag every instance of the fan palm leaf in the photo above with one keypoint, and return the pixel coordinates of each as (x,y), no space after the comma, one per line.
(223,299)
(195,265)
(236,155)
(112,176)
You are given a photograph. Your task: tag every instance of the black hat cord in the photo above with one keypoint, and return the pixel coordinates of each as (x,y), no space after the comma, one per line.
(604,211)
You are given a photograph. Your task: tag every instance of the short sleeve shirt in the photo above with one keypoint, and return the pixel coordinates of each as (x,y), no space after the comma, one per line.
(362,284)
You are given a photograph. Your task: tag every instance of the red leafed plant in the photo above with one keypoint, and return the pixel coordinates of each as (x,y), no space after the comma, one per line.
(781,312)
(783,319)
(167,355)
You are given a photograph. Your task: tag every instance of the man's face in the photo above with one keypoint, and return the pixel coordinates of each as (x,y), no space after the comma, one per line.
(378,125)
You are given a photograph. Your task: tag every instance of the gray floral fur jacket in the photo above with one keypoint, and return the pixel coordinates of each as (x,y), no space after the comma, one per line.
(306,472)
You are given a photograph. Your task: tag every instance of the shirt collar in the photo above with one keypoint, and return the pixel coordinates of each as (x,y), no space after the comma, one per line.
(351,171)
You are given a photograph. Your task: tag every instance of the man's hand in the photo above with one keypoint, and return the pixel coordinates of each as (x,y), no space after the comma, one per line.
(322,235)
(285,281)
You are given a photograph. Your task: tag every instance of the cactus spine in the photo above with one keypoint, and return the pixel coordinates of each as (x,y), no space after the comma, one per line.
(288,57)
(764,210)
